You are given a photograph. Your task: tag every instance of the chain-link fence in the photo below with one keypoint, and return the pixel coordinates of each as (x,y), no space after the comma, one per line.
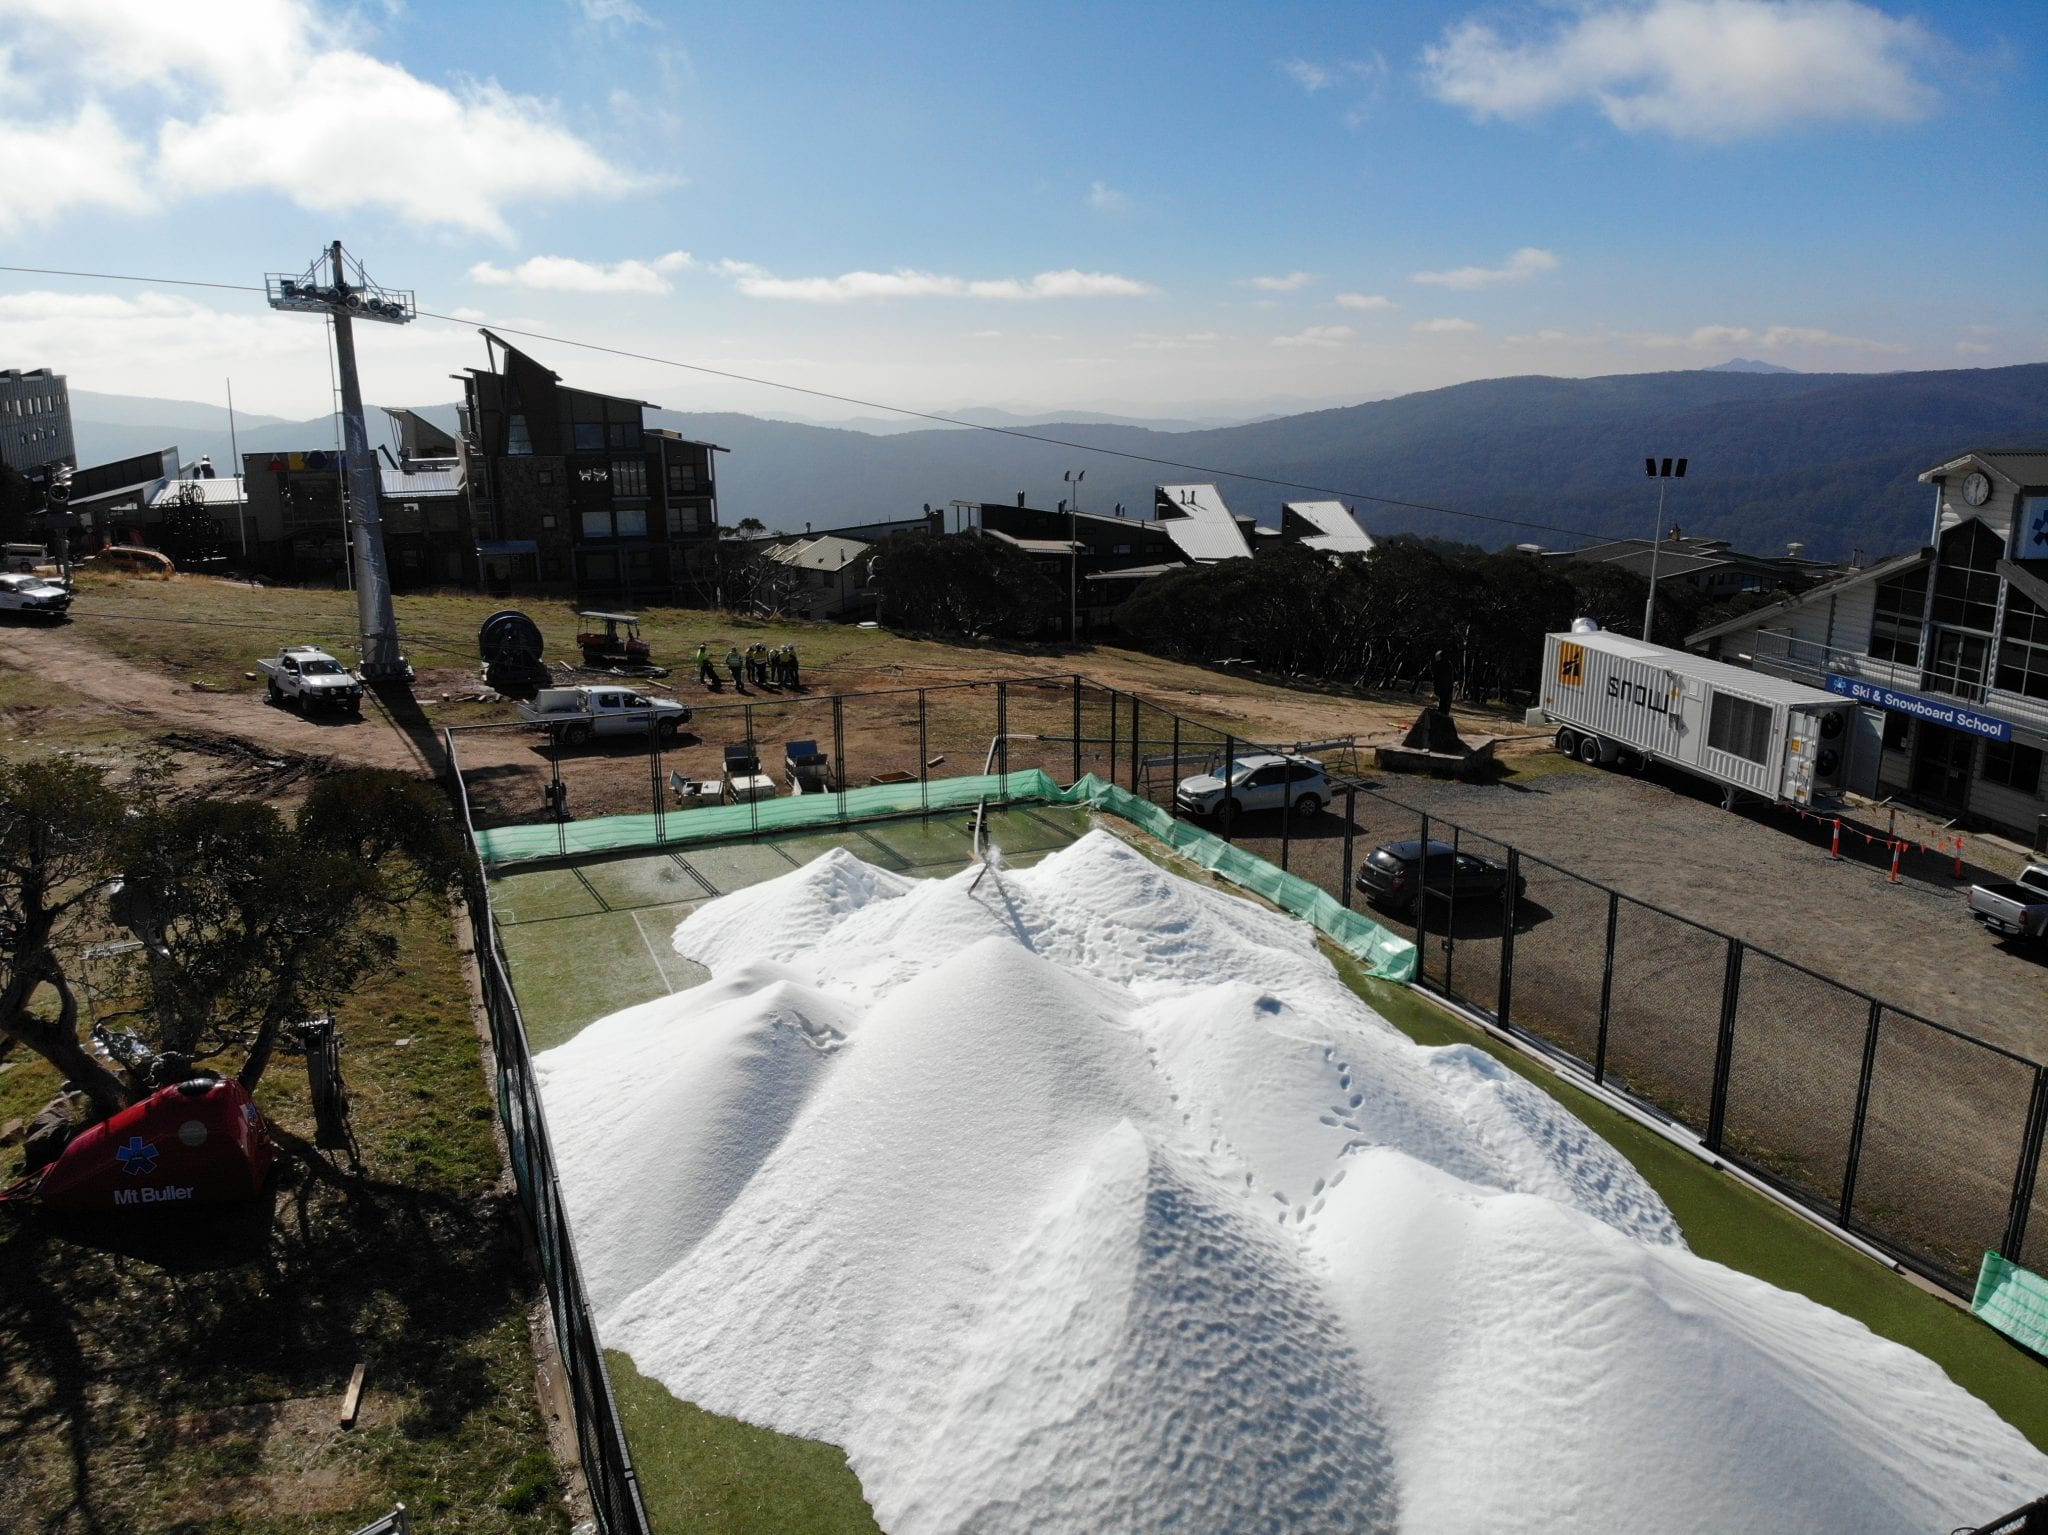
(1923,1141)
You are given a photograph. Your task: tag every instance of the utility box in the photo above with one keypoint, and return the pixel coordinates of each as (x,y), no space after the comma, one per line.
(1625,701)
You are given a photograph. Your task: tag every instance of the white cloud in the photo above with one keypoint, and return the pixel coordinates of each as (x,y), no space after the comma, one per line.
(1446,326)
(1366,301)
(1698,69)
(1187,341)
(1714,338)
(624,12)
(274,95)
(1522,265)
(566,274)
(1292,282)
(1309,76)
(907,282)
(1972,348)
(1107,199)
(54,167)
(1325,336)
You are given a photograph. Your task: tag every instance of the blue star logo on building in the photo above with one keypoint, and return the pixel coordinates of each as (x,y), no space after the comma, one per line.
(137,1157)
(2038,534)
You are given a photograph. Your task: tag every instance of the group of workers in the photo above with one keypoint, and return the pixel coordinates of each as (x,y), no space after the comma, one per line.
(763,666)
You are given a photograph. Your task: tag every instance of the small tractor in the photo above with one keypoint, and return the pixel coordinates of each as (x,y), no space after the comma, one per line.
(618,644)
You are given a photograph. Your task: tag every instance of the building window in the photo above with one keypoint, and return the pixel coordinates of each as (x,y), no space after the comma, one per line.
(588,436)
(1966,578)
(2023,652)
(544,476)
(1895,630)
(1739,727)
(547,519)
(1897,730)
(632,521)
(629,477)
(597,524)
(622,434)
(1956,663)
(517,443)
(2015,766)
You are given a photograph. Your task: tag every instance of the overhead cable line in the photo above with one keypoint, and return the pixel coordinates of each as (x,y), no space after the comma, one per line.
(898,410)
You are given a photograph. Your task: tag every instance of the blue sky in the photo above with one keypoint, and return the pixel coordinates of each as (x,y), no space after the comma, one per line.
(1206,208)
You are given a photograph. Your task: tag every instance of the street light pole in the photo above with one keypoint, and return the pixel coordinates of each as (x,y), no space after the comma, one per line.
(1073,477)
(1663,474)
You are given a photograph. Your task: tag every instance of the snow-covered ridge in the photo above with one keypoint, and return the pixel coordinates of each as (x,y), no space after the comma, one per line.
(1093,1200)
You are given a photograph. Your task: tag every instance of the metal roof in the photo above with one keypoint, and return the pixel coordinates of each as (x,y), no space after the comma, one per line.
(825,552)
(1035,545)
(1132,573)
(225,490)
(1717,674)
(1337,529)
(2025,467)
(421,482)
(1755,616)
(1195,517)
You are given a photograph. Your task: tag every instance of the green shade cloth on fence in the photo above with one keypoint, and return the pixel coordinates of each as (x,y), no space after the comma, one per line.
(2013,1300)
(1390,956)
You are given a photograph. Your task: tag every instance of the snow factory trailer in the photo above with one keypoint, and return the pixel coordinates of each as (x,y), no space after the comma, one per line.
(1620,700)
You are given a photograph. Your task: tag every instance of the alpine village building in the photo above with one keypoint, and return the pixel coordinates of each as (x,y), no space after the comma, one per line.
(1947,646)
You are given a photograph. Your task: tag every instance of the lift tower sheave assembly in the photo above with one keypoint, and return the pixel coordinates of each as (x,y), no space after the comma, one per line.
(336,286)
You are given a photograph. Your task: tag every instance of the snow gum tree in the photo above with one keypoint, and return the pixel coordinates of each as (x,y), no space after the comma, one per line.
(246,920)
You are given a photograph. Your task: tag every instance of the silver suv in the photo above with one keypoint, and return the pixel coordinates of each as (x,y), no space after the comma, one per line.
(1263,782)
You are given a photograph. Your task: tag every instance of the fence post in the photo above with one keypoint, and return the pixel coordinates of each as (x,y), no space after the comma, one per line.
(924,757)
(559,804)
(1286,816)
(1862,1110)
(1350,835)
(1229,764)
(1003,741)
(1606,988)
(1137,729)
(754,746)
(1077,730)
(839,751)
(1422,904)
(1173,773)
(1504,1004)
(1111,764)
(2030,1163)
(1724,1047)
(656,785)
(1450,906)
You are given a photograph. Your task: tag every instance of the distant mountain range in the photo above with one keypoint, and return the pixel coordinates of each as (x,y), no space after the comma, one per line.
(1828,460)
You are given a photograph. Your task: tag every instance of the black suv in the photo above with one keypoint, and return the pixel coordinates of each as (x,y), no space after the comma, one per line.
(1395,875)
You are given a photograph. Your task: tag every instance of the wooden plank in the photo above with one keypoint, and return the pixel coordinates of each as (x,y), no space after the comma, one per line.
(352,1398)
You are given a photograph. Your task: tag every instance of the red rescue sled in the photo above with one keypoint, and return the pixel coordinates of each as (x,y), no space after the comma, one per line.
(198,1142)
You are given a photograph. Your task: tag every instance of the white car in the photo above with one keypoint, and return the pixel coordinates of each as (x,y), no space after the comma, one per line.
(1263,782)
(33,596)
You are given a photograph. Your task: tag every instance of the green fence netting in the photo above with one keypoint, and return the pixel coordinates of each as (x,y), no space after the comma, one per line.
(2013,1300)
(1388,955)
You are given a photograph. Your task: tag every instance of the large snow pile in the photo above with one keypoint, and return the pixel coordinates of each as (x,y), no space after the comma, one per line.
(1092,1200)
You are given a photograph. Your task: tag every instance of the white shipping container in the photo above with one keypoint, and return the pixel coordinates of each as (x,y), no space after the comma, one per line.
(1745,730)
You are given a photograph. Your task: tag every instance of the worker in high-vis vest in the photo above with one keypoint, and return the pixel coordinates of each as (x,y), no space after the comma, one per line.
(733,662)
(706,672)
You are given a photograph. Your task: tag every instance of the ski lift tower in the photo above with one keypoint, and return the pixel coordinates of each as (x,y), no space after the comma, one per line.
(336,286)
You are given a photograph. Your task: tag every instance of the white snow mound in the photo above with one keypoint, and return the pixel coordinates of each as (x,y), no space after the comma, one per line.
(1093,1200)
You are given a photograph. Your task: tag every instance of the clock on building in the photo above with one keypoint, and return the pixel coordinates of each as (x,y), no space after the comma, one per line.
(1977,489)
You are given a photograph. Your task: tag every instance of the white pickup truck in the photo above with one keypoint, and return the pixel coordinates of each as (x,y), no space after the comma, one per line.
(574,715)
(2018,910)
(307,678)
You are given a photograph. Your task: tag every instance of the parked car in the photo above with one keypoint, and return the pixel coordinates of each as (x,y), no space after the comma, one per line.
(306,678)
(574,715)
(1396,875)
(1266,781)
(33,597)
(2018,910)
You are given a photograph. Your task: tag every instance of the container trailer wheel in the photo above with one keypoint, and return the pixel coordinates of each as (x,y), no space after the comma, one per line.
(1589,750)
(1568,741)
